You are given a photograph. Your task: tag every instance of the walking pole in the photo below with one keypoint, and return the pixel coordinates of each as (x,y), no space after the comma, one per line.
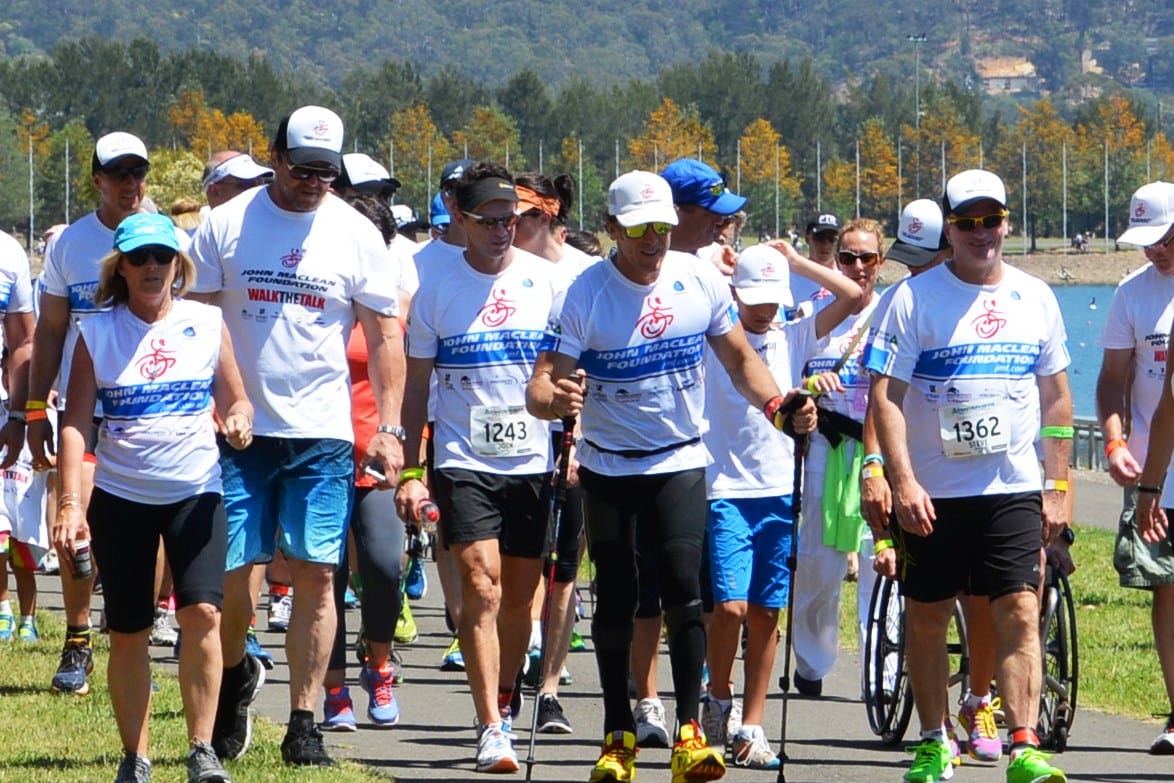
(560,501)
(792,558)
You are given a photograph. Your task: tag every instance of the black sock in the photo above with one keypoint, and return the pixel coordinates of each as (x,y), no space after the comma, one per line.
(301,721)
(77,634)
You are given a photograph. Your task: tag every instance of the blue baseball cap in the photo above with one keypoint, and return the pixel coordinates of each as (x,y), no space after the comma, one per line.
(438,213)
(145,228)
(694,182)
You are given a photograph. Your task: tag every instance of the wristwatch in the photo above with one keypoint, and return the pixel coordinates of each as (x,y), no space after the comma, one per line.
(398,432)
(1068,535)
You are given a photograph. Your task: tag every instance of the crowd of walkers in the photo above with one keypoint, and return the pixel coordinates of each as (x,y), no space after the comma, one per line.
(290,386)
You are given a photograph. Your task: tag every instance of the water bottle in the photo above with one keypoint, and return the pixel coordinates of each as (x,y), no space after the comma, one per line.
(81,562)
(428,514)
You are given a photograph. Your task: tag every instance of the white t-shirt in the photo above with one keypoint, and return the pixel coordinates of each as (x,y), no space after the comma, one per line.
(16,291)
(853,401)
(643,349)
(401,250)
(157,442)
(1139,320)
(971,354)
(432,257)
(24,492)
(751,459)
(484,331)
(288,283)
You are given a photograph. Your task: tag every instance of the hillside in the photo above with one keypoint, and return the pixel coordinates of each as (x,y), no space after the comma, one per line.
(614,41)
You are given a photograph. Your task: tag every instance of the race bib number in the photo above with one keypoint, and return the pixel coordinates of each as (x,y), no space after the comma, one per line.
(974,428)
(502,431)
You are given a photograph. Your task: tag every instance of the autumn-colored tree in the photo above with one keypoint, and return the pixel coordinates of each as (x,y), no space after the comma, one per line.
(839,187)
(940,148)
(880,187)
(592,183)
(1108,148)
(206,131)
(1043,135)
(671,132)
(419,151)
(491,135)
(34,132)
(175,174)
(1161,159)
(768,183)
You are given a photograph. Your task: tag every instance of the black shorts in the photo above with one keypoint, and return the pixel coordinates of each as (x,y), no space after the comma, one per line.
(477,506)
(126,544)
(982,545)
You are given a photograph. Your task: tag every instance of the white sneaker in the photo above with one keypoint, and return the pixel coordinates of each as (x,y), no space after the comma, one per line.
(651,731)
(280,608)
(713,722)
(751,749)
(734,721)
(495,752)
(1164,744)
(163,633)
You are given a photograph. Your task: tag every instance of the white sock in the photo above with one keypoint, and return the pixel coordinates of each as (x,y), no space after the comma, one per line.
(6,607)
(937,735)
(974,702)
(535,635)
(27,619)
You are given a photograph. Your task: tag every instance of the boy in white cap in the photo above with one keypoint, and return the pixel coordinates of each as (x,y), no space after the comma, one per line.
(751,516)
(1133,387)
(968,361)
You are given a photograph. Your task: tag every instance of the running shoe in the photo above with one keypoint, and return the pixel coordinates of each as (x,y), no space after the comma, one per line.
(415,581)
(7,626)
(339,710)
(133,769)
(578,643)
(651,731)
(163,633)
(405,627)
(252,647)
(617,761)
(509,706)
(453,661)
(203,766)
(77,661)
(551,718)
(750,749)
(232,730)
(495,752)
(565,678)
(1030,765)
(810,688)
(955,747)
(382,708)
(532,668)
(693,760)
(304,748)
(932,762)
(280,608)
(1164,744)
(27,632)
(720,724)
(982,735)
(349,599)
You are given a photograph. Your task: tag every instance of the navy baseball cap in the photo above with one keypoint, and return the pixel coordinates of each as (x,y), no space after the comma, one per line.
(694,182)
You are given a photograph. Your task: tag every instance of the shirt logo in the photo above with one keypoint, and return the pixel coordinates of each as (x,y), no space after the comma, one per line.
(155,364)
(292,258)
(655,320)
(990,322)
(498,311)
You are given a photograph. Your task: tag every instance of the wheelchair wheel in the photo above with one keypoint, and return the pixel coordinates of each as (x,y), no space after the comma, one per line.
(1060,663)
(888,698)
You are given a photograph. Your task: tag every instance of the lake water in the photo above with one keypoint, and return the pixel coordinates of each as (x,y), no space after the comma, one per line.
(1085,308)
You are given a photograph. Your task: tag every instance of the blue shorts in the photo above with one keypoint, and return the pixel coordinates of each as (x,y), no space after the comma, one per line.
(749,543)
(303,485)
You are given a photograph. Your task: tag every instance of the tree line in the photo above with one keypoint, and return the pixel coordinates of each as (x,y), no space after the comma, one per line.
(780,132)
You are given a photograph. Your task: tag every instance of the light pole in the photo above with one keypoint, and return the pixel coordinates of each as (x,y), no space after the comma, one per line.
(917,41)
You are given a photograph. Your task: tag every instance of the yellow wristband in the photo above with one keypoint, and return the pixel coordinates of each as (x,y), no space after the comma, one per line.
(36,405)
(1055,485)
(882,545)
(872,470)
(809,384)
(408,474)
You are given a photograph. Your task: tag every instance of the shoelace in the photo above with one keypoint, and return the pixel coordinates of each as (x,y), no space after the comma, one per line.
(381,685)
(925,753)
(747,750)
(620,753)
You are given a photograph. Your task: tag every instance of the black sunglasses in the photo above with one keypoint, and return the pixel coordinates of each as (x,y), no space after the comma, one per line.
(848,258)
(158,253)
(505,221)
(123,173)
(325,176)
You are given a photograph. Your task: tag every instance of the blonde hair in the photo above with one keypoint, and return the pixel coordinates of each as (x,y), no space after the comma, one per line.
(185,214)
(864,226)
(112,288)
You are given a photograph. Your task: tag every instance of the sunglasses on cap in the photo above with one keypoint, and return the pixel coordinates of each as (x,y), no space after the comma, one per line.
(123,173)
(971,223)
(303,173)
(158,253)
(505,221)
(636,232)
(848,258)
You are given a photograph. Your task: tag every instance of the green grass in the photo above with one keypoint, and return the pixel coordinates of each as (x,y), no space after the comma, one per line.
(48,738)
(1119,671)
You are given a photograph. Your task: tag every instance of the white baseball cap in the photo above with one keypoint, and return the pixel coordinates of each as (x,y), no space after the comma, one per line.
(762,276)
(119,144)
(919,236)
(971,186)
(640,197)
(241,167)
(1151,213)
(313,134)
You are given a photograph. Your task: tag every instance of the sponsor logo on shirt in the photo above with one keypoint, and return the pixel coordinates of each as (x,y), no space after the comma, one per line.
(498,311)
(988,324)
(154,365)
(654,319)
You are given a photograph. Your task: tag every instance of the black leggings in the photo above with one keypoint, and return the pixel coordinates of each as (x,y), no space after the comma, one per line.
(379,543)
(669,511)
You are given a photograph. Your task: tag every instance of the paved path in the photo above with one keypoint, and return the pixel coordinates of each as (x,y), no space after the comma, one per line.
(829,738)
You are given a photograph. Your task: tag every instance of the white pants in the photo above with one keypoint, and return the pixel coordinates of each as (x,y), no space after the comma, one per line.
(819,573)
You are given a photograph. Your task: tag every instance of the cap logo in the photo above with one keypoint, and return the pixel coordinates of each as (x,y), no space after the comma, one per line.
(321,129)
(1139,210)
(915,227)
(768,270)
(647,192)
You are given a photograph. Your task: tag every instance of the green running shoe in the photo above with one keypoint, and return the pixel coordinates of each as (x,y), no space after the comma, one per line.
(405,627)
(1030,765)
(932,762)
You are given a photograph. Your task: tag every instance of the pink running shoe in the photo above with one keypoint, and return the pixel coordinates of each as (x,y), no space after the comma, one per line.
(983,743)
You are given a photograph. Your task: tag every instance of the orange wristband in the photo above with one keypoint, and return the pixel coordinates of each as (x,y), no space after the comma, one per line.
(37,415)
(1113,445)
